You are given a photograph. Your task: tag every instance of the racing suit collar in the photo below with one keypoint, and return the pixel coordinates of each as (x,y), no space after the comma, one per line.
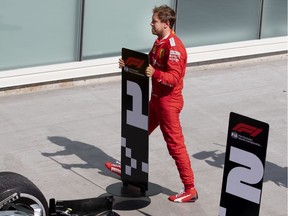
(162,40)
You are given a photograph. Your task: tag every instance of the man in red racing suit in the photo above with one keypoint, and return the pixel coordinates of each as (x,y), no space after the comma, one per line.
(168,59)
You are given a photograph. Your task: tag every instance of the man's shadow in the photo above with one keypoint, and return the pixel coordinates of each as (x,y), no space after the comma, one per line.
(273,172)
(92,157)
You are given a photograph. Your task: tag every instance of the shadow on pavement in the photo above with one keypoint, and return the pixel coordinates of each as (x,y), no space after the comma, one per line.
(273,172)
(92,157)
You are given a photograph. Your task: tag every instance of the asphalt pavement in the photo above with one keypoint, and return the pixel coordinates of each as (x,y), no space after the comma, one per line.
(60,138)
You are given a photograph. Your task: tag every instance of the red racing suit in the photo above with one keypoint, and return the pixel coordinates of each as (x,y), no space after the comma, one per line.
(169,58)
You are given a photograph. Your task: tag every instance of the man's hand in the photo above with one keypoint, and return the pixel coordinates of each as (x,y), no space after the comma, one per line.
(149,71)
(121,63)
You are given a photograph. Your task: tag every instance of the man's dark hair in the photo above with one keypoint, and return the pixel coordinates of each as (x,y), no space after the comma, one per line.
(165,14)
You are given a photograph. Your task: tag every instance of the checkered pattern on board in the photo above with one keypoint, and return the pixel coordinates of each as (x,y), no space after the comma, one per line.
(133,161)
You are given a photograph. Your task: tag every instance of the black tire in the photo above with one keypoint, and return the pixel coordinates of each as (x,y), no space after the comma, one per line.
(19,193)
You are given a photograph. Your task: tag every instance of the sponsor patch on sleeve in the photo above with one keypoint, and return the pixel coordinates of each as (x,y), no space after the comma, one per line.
(172,42)
(174,56)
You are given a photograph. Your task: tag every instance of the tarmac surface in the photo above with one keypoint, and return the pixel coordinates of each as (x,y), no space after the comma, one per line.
(61,138)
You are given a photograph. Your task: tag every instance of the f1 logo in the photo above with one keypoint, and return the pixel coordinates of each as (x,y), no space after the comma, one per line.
(252,131)
(135,62)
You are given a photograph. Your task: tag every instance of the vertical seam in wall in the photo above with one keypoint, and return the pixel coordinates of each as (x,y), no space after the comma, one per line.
(81,30)
(260,19)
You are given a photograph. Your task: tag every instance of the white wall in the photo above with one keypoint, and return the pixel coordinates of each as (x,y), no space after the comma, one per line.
(105,66)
